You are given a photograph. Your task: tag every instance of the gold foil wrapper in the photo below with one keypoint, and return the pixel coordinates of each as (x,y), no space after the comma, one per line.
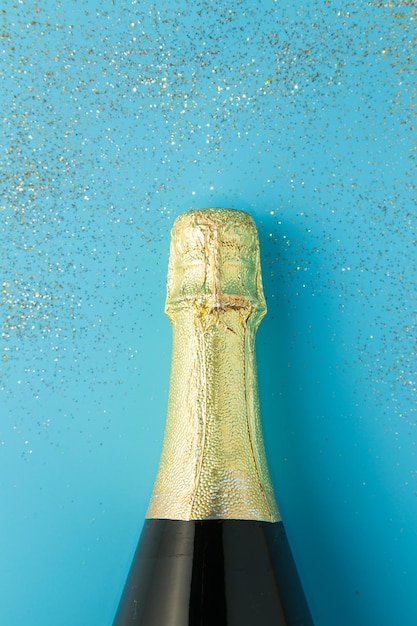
(213,462)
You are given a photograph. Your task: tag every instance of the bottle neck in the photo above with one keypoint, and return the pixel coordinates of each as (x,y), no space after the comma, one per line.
(213,462)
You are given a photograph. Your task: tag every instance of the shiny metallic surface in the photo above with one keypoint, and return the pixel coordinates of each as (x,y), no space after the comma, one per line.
(213,462)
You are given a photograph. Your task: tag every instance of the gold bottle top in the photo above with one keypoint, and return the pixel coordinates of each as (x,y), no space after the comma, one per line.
(214,261)
(213,462)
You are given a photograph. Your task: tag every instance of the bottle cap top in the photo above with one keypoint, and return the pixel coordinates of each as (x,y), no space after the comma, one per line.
(215,262)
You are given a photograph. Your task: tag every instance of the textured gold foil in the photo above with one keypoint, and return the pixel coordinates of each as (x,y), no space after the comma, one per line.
(213,462)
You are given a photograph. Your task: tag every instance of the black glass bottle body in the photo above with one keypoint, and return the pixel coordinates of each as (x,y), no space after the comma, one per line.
(213,573)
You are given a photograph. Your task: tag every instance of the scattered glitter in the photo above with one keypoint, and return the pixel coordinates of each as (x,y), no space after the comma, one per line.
(118,116)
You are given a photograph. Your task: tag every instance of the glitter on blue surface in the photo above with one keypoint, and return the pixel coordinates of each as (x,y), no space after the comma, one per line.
(116,116)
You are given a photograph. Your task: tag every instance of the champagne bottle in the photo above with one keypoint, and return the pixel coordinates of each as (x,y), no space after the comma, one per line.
(213,551)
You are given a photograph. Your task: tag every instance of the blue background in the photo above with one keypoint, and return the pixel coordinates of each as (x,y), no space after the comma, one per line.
(117,116)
